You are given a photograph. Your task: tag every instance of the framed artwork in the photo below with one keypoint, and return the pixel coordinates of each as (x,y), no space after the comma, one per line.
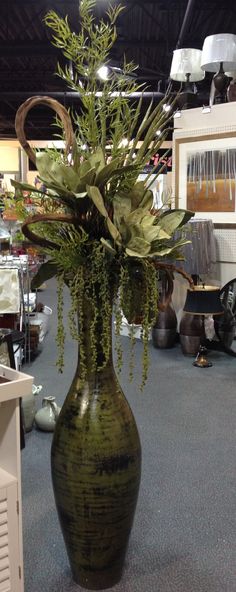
(205,174)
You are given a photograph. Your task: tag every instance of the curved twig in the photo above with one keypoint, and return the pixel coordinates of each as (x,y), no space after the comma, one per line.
(174,268)
(57,107)
(39,240)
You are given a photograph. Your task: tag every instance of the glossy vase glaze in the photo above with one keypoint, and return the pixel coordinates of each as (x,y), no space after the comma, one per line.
(96,463)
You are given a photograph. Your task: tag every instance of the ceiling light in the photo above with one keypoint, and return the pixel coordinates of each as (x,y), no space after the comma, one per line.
(123,143)
(103,72)
(166,107)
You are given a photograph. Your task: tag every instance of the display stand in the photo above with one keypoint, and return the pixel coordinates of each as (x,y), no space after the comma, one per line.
(13,385)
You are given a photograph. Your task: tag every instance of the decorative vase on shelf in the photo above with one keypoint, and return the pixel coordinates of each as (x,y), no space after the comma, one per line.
(96,464)
(46,417)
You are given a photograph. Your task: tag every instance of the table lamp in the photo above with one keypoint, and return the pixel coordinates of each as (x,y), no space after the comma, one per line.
(204,301)
(219,55)
(186,68)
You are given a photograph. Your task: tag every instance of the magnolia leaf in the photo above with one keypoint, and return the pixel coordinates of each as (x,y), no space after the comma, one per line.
(104,175)
(64,177)
(63,194)
(84,168)
(96,196)
(132,253)
(43,163)
(113,230)
(121,208)
(139,245)
(46,271)
(131,168)
(147,200)
(97,159)
(125,232)
(150,234)
(184,215)
(171,221)
(87,179)
(161,250)
(136,230)
(107,244)
(136,194)
(26,187)
(161,234)
(135,217)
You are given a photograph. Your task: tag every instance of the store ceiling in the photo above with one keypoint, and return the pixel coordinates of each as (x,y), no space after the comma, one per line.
(148,32)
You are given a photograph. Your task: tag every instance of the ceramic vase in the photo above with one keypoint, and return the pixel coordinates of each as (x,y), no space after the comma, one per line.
(96,463)
(47,416)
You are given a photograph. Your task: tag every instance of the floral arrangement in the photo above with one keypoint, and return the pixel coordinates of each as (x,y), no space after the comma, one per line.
(95,218)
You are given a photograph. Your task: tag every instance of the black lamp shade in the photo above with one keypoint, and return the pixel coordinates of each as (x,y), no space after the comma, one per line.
(203,300)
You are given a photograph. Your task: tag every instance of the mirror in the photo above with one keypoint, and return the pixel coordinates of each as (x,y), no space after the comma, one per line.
(225,325)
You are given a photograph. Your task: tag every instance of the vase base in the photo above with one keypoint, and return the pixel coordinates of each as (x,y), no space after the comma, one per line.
(97,580)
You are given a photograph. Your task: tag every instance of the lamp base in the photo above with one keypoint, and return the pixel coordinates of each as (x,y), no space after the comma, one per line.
(201,360)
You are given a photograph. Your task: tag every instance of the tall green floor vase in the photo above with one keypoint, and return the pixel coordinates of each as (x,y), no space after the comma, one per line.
(96,463)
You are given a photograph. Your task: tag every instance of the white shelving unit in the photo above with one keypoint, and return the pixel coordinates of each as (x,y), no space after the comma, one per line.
(13,385)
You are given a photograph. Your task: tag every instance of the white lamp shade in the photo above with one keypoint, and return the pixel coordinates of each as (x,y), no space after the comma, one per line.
(231,74)
(219,48)
(186,61)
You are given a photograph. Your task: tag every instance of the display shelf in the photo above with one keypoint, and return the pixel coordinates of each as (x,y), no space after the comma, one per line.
(17,384)
(13,385)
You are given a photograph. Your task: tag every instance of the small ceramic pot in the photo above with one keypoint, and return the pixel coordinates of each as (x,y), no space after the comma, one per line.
(46,417)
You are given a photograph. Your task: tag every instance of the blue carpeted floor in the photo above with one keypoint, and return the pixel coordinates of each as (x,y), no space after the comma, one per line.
(184,535)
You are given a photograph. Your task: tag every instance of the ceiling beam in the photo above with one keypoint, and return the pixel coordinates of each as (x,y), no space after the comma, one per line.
(20,48)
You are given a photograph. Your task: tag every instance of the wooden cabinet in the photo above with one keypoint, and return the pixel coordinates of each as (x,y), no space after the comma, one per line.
(13,384)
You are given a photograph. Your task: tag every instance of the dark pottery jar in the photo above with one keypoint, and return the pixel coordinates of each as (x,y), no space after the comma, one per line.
(164,330)
(190,333)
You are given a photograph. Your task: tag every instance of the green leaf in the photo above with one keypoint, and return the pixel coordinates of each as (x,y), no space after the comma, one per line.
(96,196)
(137,194)
(121,208)
(186,215)
(87,179)
(171,221)
(147,200)
(97,159)
(107,244)
(46,271)
(104,175)
(138,245)
(26,187)
(113,230)
(135,217)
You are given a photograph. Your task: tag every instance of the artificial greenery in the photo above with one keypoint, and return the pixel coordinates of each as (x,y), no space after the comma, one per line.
(96,219)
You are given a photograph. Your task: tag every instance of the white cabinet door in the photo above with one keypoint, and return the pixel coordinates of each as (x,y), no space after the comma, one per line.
(11,577)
